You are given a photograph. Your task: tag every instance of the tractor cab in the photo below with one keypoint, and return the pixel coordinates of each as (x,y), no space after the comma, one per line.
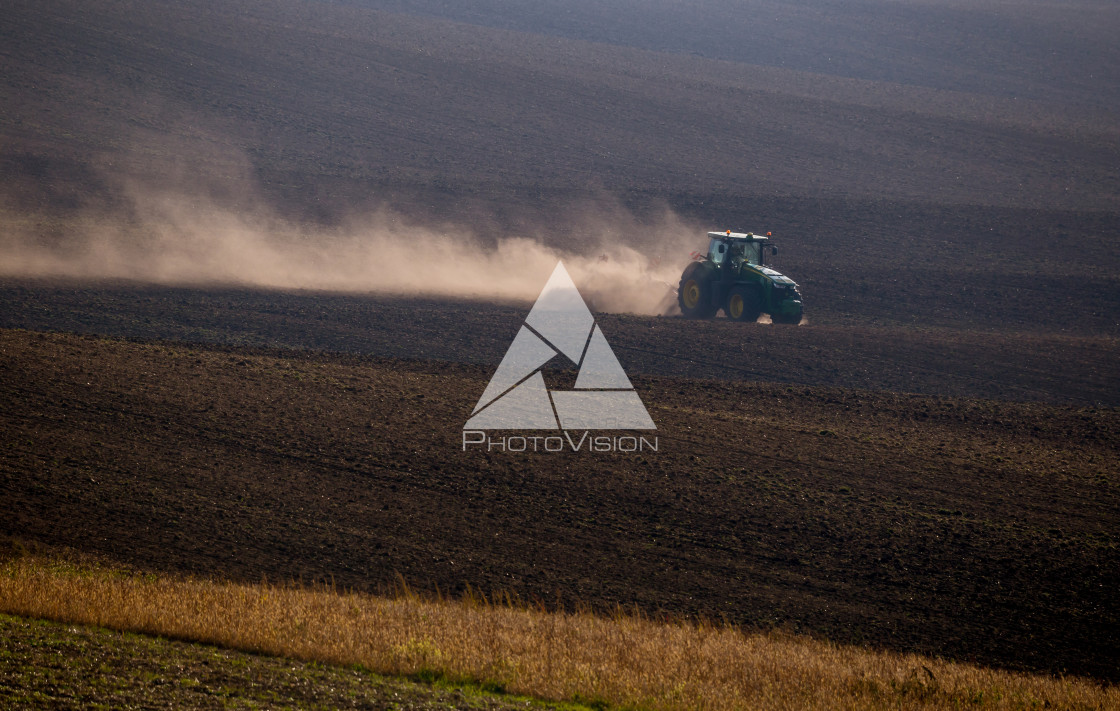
(739,247)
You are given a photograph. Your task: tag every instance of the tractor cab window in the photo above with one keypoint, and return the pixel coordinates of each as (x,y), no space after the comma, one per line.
(717,250)
(751,252)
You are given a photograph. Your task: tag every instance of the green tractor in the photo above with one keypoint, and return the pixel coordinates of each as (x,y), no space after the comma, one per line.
(733,277)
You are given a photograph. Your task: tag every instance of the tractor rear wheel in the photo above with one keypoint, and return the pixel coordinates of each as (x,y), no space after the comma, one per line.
(743,304)
(694,294)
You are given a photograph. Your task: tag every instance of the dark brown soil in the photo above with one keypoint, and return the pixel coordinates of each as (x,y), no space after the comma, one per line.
(835,348)
(326,111)
(969,528)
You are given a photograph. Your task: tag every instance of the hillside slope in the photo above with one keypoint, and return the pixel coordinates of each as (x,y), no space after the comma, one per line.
(1063,53)
(970,529)
(335,107)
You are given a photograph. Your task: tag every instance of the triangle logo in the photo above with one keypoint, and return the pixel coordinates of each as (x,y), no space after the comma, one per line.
(516,398)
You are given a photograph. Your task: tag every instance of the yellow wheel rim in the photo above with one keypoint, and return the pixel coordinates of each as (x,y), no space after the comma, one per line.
(691,294)
(736,306)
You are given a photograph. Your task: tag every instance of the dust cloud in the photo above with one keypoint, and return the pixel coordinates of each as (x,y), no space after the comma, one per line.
(171,238)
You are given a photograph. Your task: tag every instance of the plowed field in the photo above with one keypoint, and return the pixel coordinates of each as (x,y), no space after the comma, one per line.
(973,528)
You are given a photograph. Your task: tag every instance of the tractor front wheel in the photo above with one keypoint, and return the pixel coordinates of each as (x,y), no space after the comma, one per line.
(743,305)
(695,293)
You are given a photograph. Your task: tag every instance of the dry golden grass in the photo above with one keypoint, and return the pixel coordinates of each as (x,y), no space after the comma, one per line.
(626,660)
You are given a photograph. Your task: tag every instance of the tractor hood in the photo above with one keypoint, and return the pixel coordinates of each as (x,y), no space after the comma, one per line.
(772,274)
